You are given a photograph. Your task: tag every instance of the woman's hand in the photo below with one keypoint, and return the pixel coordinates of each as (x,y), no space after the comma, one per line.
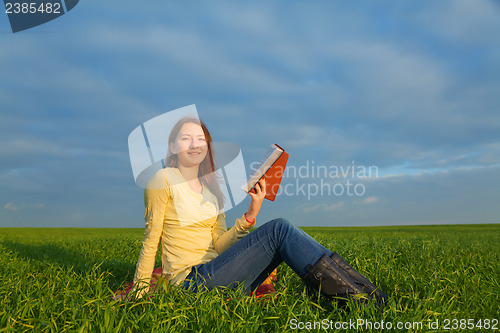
(257,198)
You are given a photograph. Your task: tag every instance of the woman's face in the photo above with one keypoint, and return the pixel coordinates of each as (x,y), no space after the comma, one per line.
(190,145)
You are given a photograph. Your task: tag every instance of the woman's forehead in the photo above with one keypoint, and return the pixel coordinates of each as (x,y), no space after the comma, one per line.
(191,129)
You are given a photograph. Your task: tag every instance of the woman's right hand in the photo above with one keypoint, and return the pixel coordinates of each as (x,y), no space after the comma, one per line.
(257,198)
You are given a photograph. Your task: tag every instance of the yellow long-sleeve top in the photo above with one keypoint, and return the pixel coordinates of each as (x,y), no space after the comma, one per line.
(188,226)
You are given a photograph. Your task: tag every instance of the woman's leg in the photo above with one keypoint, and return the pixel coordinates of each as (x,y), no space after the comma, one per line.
(252,258)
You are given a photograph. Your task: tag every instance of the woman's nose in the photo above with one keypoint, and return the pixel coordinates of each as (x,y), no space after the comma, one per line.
(195,143)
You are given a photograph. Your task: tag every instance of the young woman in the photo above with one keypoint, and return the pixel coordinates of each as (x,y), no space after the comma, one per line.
(184,215)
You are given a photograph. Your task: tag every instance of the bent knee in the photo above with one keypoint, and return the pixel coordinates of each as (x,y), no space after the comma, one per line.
(281,223)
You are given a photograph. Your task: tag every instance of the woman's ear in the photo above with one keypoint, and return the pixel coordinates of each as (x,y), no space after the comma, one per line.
(171,148)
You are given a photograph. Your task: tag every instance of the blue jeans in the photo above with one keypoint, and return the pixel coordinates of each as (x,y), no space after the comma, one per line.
(255,256)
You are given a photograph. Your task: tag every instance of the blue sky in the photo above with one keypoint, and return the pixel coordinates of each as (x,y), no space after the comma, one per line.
(411,88)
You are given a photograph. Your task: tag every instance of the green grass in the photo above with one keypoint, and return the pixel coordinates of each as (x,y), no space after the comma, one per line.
(62,279)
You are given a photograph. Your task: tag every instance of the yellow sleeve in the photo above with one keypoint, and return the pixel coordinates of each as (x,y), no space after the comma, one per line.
(223,238)
(156,198)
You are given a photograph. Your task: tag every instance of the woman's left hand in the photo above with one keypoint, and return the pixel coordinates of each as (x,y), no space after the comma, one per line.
(257,198)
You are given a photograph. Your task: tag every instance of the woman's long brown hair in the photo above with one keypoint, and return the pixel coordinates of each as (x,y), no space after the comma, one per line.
(207,167)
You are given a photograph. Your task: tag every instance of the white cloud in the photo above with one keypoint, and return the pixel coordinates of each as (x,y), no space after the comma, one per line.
(370,200)
(298,135)
(324,207)
(448,163)
(12,206)
(27,147)
(463,21)
(76,217)
(333,206)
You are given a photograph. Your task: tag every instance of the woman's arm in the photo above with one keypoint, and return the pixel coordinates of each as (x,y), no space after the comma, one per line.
(223,238)
(156,197)
(257,198)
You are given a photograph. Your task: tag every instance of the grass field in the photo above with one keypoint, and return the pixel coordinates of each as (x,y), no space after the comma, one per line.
(62,280)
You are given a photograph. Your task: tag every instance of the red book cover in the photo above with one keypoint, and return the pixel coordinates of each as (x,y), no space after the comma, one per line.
(273,176)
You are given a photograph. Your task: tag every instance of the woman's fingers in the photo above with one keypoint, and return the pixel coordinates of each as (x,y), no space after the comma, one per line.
(260,188)
(255,193)
(263,185)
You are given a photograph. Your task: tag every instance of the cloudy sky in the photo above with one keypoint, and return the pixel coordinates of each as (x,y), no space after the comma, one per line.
(404,93)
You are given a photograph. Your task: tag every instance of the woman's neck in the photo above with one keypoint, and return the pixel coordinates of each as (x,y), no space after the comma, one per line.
(189,173)
(191,176)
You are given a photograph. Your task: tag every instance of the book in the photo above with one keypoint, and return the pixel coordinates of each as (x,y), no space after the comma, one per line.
(271,167)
